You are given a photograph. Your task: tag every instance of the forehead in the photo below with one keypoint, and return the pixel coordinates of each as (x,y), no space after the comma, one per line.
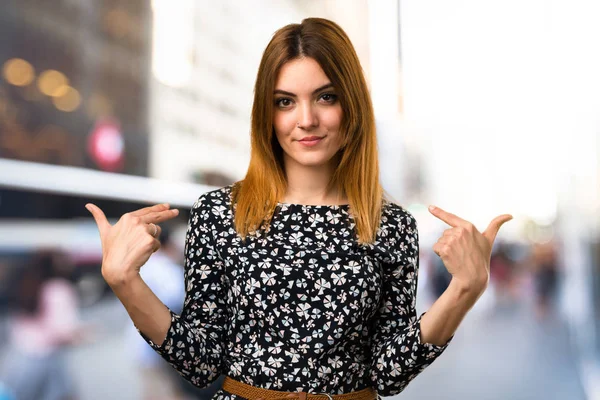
(301,74)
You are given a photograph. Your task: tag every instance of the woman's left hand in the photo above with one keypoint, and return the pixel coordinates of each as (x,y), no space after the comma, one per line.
(465,251)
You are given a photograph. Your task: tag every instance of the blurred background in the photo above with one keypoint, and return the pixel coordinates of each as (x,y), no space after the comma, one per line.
(483,108)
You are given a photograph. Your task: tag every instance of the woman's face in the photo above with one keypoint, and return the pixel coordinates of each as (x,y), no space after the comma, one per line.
(307,114)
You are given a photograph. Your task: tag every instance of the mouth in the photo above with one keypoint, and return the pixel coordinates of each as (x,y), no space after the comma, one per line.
(311,140)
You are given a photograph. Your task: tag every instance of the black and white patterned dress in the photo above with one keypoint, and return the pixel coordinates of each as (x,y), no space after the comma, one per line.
(301,308)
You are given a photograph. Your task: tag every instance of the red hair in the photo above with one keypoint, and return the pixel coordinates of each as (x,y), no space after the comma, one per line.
(357,173)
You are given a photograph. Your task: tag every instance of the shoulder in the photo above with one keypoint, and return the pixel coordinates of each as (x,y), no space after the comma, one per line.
(397,236)
(213,209)
(214,199)
(398,219)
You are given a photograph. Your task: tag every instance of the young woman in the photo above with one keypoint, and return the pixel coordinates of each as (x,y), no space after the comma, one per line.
(301,279)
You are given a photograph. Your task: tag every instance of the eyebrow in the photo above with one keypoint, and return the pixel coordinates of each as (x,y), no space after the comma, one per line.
(326,86)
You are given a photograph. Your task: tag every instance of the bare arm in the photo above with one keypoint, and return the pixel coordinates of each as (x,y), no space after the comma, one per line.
(445,315)
(147,312)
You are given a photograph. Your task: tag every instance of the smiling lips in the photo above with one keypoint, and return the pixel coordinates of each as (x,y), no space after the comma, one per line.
(310,140)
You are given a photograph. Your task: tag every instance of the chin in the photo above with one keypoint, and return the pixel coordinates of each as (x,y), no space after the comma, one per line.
(311,161)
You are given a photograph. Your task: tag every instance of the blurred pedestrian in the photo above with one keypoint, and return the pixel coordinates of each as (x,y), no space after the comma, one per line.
(502,277)
(44,322)
(546,276)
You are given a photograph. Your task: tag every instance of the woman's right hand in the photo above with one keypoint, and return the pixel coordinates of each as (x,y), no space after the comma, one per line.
(128,244)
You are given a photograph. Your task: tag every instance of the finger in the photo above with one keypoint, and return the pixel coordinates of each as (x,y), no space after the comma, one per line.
(450,233)
(437,249)
(156,245)
(146,210)
(445,240)
(447,217)
(494,226)
(159,216)
(99,217)
(153,230)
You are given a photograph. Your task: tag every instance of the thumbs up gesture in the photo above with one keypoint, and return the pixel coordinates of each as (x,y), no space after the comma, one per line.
(465,251)
(128,244)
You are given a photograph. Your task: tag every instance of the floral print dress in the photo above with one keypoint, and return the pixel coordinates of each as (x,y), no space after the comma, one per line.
(303,307)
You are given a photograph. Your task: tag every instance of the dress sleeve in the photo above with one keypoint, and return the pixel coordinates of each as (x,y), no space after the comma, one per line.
(194,344)
(398,355)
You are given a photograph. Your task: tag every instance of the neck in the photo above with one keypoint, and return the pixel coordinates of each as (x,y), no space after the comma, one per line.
(309,185)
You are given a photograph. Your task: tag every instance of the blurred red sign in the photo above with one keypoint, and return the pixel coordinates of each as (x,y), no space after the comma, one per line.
(106,146)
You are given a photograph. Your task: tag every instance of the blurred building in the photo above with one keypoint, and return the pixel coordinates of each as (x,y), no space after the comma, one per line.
(506,120)
(74,87)
(73,90)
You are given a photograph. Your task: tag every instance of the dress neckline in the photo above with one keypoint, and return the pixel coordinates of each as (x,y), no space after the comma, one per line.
(334,206)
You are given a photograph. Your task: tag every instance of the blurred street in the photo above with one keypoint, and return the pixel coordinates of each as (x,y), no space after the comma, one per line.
(480,108)
(495,355)
(503,355)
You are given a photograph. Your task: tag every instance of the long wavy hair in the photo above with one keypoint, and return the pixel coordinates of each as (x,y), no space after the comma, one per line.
(357,172)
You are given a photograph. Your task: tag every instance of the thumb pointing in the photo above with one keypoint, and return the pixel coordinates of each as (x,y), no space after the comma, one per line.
(494,226)
(99,217)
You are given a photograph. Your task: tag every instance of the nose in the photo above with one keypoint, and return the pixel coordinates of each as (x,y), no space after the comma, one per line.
(307,116)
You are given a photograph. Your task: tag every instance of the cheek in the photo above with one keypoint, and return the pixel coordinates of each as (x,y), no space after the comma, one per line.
(283,124)
(332,119)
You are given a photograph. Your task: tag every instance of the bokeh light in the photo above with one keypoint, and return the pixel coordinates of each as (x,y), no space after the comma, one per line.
(53,83)
(18,72)
(69,101)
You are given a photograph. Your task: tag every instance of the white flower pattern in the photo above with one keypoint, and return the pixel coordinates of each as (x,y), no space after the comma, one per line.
(303,307)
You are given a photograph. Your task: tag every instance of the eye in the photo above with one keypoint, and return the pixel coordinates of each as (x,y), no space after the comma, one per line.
(283,102)
(329,98)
